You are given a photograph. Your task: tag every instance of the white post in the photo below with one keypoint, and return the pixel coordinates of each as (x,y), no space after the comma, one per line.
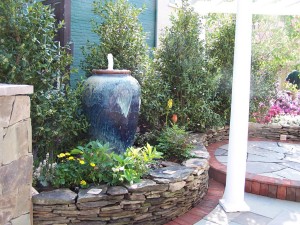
(233,199)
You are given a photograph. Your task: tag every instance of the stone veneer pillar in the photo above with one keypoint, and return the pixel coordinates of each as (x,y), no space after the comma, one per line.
(15,155)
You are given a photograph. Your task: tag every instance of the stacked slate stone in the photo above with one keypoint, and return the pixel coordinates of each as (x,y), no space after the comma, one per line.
(217,134)
(273,131)
(166,193)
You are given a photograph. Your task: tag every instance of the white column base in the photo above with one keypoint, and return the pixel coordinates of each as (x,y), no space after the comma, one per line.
(234,207)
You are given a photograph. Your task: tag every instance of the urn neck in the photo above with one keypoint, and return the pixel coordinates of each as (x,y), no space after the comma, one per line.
(111,72)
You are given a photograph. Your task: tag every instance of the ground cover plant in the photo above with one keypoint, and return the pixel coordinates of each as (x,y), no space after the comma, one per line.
(29,55)
(95,163)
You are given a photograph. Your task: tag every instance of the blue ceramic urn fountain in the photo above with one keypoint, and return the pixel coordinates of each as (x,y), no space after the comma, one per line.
(112,102)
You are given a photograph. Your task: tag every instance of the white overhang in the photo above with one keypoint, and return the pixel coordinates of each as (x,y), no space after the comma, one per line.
(266,7)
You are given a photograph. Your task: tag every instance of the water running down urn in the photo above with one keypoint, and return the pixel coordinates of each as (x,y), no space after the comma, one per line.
(111,103)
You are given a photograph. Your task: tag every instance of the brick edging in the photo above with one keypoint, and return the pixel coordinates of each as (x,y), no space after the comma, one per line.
(256,184)
(208,204)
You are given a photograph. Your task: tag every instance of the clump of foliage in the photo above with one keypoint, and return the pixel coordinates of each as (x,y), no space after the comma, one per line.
(173,143)
(121,34)
(220,51)
(94,163)
(29,55)
(155,92)
(181,63)
(173,140)
(273,53)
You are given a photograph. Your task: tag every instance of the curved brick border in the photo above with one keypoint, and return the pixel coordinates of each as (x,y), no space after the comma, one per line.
(256,184)
(208,204)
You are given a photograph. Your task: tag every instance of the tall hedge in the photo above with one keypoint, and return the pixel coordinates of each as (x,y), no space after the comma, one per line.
(29,55)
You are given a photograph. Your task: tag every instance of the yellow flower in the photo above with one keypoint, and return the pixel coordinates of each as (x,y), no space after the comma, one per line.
(67,154)
(81,162)
(92,164)
(61,155)
(83,182)
(170,103)
(71,158)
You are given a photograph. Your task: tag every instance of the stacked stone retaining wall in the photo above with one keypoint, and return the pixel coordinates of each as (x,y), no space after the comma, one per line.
(15,155)
(268,131)
(164,194)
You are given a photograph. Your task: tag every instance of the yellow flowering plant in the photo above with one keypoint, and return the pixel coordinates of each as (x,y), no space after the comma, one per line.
(168,109)
(94,163)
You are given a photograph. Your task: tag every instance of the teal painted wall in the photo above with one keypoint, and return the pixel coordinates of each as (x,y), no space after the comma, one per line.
(81,15)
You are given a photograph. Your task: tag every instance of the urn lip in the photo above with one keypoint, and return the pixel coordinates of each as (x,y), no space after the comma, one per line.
(110,72)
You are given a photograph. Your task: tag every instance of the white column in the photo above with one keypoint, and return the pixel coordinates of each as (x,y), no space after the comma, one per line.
(233,199)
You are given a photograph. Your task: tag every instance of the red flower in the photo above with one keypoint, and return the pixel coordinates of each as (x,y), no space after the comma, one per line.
(174,118)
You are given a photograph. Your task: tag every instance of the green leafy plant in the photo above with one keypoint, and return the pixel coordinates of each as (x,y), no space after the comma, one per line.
(121,34)
(173,143)
(29,55)
(58,121)
(94,163)
(220,51)
(155,93)
(43,173)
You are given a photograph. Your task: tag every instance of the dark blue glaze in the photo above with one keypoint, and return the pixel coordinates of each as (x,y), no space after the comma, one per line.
(112,103)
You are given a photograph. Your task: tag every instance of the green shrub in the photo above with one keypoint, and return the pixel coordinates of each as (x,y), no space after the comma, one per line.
(173,143)
(220,52)
(58,122)
(29,55)
(155,93)
(182,65)
(121,34)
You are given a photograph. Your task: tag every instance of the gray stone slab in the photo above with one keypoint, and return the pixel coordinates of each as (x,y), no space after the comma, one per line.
(286,217)
(13,89)
(225,147)
(205,222)
(273,175)
(269,207)
(219,216)
(221,151)
(22,220)
(289,173)
(259,168)
(222,159)
(249,218)
(267,145)
(257,158)
(265,153)
(55,197)
(172,173)
(290,147)
(292,165)
(293,158)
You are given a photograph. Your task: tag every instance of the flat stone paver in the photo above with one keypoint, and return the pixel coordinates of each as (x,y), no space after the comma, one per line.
(265,153)
(259,167)
(286,217)
(289,173)
(222,158)
(221,151)
(250,218)
(257,158)
(263,211)
(293,165)
(271,159)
